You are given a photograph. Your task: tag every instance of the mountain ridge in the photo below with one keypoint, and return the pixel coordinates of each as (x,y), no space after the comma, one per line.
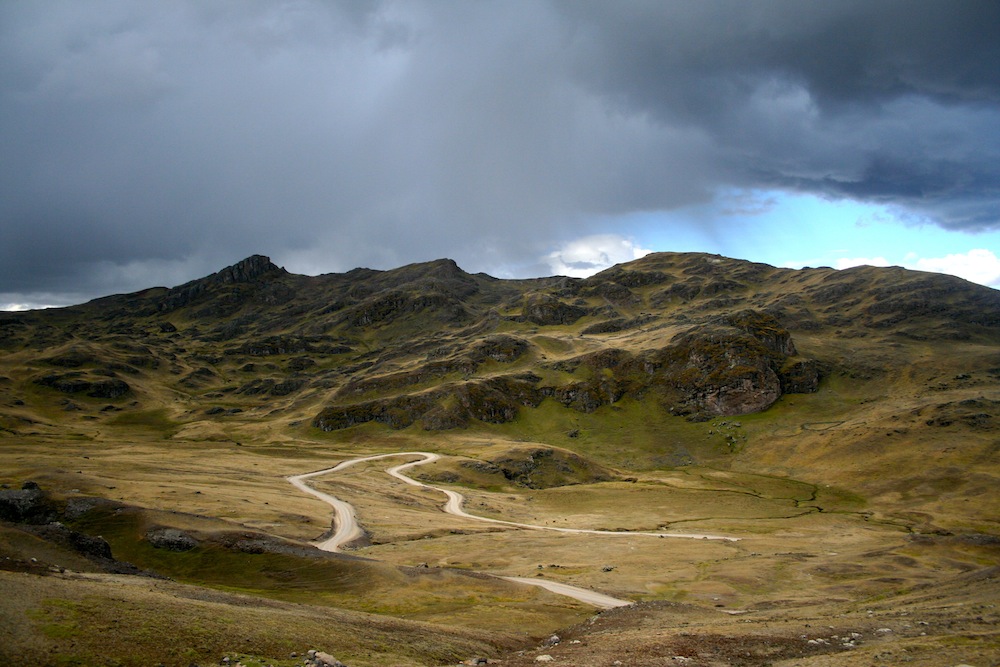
(712,335)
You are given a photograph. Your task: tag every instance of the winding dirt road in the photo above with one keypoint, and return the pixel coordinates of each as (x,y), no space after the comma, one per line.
(348,530)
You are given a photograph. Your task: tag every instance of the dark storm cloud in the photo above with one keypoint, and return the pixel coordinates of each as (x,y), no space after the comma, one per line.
(889,101)
(149,143)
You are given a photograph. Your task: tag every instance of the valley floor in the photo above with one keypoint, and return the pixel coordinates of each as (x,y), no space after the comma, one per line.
(816,577)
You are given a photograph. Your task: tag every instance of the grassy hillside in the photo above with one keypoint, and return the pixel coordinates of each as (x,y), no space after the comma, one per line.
(842,424)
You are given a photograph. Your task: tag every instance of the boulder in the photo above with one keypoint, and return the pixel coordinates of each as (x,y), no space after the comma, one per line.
(170,539)
(29,504)
(91,546)
(321,659)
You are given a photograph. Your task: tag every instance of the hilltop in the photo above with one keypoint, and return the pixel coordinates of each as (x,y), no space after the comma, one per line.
(680,390)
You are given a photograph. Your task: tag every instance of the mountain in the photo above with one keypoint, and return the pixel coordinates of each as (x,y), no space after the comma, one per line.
(691,335)
(876,388)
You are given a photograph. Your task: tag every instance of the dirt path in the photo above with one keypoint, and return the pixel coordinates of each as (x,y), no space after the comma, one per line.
(582,594)
(456,500)
(348,530)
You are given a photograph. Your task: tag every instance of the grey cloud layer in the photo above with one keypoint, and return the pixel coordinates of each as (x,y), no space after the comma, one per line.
(152,142)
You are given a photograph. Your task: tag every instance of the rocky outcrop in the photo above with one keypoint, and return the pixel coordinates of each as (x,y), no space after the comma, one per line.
(502,348)
(612,374)
(588,396)
(975,413)
(397,413)
(68,383)
(546,310)
(524,466)
(497,400)
(75,357)
(722,371)
(682,291)
(493,400)
(800,376)
(40,515)
(110,388)
(272,387)
(171,539)
(29,504)
(225,292)
(247,270)
(765,328)
(275,345)
(612,292)
(77,382)
(628,278)
(321,659)
(545,467)
(92,546)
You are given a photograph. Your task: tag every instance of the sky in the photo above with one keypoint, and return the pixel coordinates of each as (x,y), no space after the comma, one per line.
(147,143)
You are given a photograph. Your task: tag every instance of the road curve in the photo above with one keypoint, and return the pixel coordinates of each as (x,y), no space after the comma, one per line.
(345,520)
(348,530)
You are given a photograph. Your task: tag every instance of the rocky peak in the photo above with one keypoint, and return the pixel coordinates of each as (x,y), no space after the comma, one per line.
(247,270)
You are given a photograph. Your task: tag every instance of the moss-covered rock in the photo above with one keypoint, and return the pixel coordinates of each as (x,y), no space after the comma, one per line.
(502,348)
(800,376)
(547,467)
(493,400)
(722,371)
(546,310)
(78,382)
(765,328)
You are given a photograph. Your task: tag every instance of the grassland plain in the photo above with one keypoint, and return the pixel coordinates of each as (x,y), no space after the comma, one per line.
(863,493)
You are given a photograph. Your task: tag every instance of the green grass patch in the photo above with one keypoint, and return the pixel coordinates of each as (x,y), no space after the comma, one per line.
(57,619)
(630,434)
(837,499)
(155,420)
